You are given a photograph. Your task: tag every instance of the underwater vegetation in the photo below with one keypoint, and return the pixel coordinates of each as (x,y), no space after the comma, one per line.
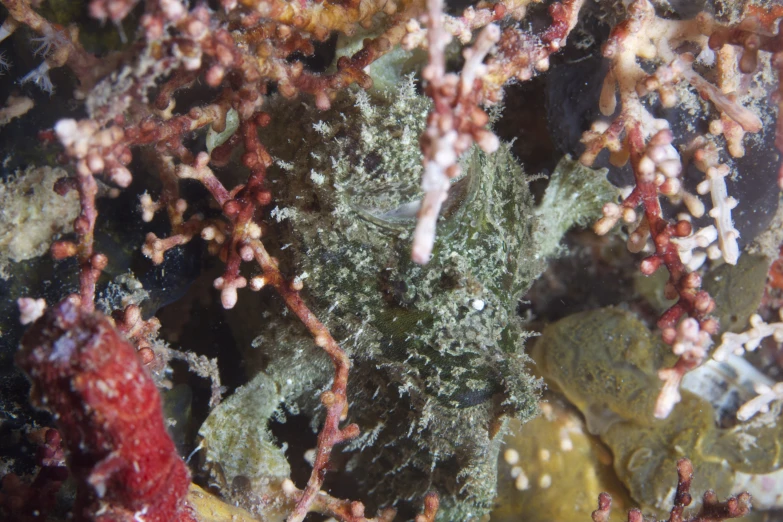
(374,260)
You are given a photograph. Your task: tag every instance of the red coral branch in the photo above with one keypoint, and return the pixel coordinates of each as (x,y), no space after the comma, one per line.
(753,34)
(241,243)
(353,511)
(109,414)
(457,120)
(636,135)
(455,123)
(93,152)
(348,511)
(522,55)
(711,510)
(431,506)
(335,400)
(691,338)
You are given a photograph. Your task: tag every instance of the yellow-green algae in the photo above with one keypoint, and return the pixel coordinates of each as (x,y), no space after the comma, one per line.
(605,362)
(552,469)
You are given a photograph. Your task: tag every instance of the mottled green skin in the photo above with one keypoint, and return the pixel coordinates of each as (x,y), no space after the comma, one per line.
(436,371)
(605,362)
(437,350)
(575,195)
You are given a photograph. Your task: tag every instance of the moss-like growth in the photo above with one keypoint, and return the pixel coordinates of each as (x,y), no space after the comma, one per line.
(574,196)
(252,436)
(437,350)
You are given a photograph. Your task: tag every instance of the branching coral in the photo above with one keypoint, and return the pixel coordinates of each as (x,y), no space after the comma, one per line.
(737,344)
(711,509)
(636,134)
(453,126)
(239,208)
(752,35)
(521,55)
(457,120)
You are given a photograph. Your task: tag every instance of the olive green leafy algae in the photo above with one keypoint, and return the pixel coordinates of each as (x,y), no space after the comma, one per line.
(605,362)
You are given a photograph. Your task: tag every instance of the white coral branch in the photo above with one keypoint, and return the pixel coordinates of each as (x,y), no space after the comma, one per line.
(453,126)
(706,159)
(691,344)
(722,205)
(767,395)
(686,246)
(749,340)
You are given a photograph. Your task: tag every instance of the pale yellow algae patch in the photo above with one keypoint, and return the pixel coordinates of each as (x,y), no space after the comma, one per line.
(33,214)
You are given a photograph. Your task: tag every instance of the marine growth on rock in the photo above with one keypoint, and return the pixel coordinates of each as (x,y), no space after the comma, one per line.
(367,259)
